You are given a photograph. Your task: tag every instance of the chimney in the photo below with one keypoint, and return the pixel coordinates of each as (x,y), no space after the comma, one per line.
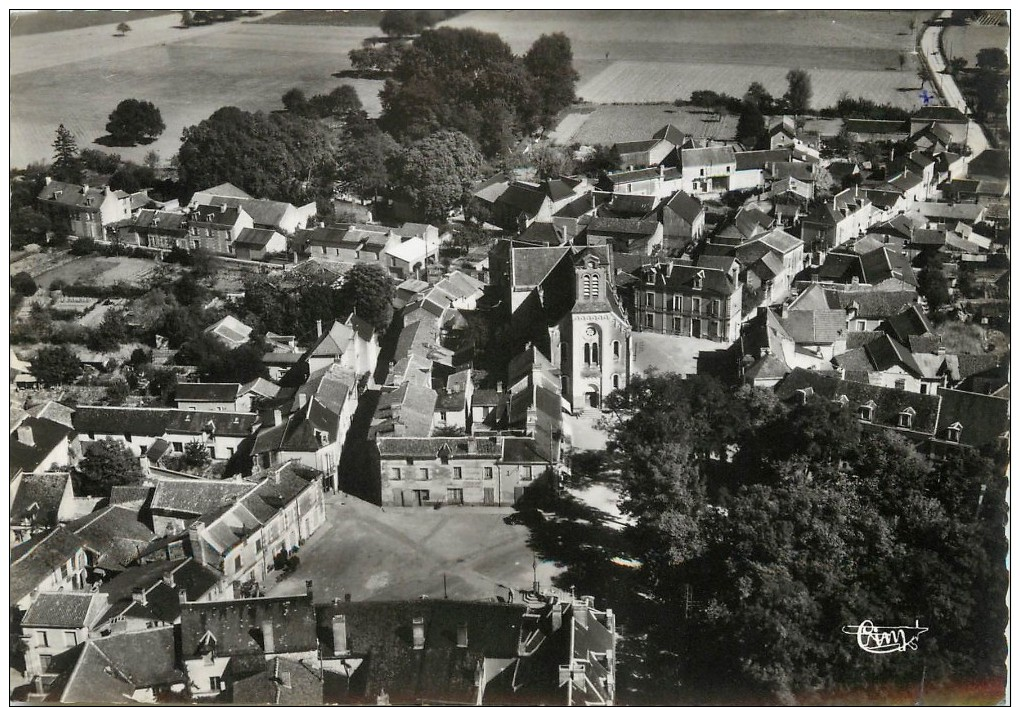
(138,596)
(268,645)
(318,327)
(25,436)
(197,543)
(418,633)
(223,208)
(785,310)
(308,587)
(168,579)
(285,678)
(302,400)
(49,179)
(339,634)
(182,596)
(556,617)
(277,417)
(499,386)
(462,635)
(581,614)
(106,189)
(347,597)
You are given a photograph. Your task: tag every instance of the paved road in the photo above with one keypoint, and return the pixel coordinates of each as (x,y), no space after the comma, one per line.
(931,50)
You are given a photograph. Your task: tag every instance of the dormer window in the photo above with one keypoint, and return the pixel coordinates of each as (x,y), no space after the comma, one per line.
(907,418)
(953,432)
(842,401)
(867,411)
(699,280)
(650,277)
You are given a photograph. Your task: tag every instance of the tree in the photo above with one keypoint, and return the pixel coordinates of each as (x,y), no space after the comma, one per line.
(195,454)
(401,23)
(23,284)
(56,365)
(107,463)
(99,161)
(369,290)
(798,92)
(279,156)
(66,164)
(340,102)
(131,177)
(28,226)
(992,58)
(750,125)
(551,161)
(435,174)
(163,383)
(932,285)
(362,162)
(956,65)
(187,18)
(123,28)
(152,160)
(760,96)
(134,121)
(111,332)
(117,391)
(550,60)
(295,100)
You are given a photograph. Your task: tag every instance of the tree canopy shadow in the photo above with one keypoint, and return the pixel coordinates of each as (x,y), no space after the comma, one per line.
(111,141)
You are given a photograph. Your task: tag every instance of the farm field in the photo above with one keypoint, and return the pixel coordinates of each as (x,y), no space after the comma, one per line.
(98,270)
(332,18)
(23,23)
(965,41)
(187,74)
(606,124)
(647,81)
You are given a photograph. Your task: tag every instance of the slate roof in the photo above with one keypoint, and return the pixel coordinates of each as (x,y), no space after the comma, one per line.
(255,237)
(629,205)
(884,264)
(224,189)
(670,133)
(155,422)
(281,681)
(625,148)
(541,234)
(707,156)
(983,417)
(639,175)
(263,212)
(207,392)
(237,625)
(960,212)
(430,447)
(130,494)
(530,266)
(758,159)
(685,206)
(159,220)
(73,195)
(584,204)
(37,500)
(116,531)
(682,277)
(59,610)
(36,559)
(523,198)
(485,397)
(411,405)
(990,163)
(889,402)
(231,330)
(114,666)
(886,353)
(298,433)
(46,436)
(876,304)
(53,411)
(616,227)
(194,498)
(907,323)
(207,214)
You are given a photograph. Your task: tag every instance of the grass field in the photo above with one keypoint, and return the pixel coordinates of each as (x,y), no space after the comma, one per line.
(653,81)
(23,23)
(77,77)
(331,18)
(606,124)
(98,270)
(965,41)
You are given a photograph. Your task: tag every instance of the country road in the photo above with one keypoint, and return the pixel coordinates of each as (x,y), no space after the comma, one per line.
(931,50)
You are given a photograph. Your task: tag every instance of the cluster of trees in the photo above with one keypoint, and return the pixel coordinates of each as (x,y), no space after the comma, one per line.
(990,83)
(198,18)
(471,82)
(367,289)
(403,23)
(105,464)
(133,122)
(763,529)
(341,102)
(279,156)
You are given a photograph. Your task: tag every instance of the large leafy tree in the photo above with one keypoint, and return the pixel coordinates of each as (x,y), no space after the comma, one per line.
(550,60)
(107,463)
(278,156)
(134,121)
(368,290)
(435,174)
(56,365)
(798,90)
(362,161)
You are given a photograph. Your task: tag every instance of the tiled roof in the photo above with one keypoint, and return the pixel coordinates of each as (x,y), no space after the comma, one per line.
(194,498)
(37,500)
(983,418)
(257,237)
(626,205)
(130,494)
(990,163)
(155,422)
(685,206)
(236,625)
(409,404)
(231,330)
(114,666)
(263,212)
(207,392)
(224,189)
(635,146)
(53,411)
(485,397)
(858,125)
(886,352)
(530,266)
(59,610)
(884,264)
(671,134)
(430,447)
(225,217)
(876,304)
(46,436)
(707,156)
(889,402)
(909,322)
(541,234)
(301,431)
(944,114)
(582,205)
(682,277)
(629,228)
(35,560)
(758,159)
(523,198)
(640,175)
(116,532)
(818,326)
(281,681)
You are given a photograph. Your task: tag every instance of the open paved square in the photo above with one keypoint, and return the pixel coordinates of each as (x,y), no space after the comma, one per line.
(392,553)
(671,354)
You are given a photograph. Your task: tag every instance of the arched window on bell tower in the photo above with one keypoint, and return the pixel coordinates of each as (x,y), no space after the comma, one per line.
(587,354)
(595,354)
(596,289)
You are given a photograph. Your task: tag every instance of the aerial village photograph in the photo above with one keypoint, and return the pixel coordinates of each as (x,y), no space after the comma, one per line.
(537,357)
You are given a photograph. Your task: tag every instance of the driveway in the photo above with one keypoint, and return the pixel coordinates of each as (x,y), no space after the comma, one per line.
(393,553)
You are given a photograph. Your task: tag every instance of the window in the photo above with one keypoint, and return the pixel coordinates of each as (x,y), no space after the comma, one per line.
(595,289)
(649,320)
(395,473)
(907,418)
(867,411)
(526,473)
(458,472)
(455,496)
(215,683)
(699,280)
(423,473)
(595,358)
(144,448)
(488,472)
(44,661)
(678,324)
(616,381)
(237,563)
(650,277)
(953,432)
(678,302)
(900,383)
(258,544)
(650,299)
(127,437)
(44,639)
(616,350)
(70,638)
(696,305)
(587,354)
(442,417)
(716,307)
(178,447)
